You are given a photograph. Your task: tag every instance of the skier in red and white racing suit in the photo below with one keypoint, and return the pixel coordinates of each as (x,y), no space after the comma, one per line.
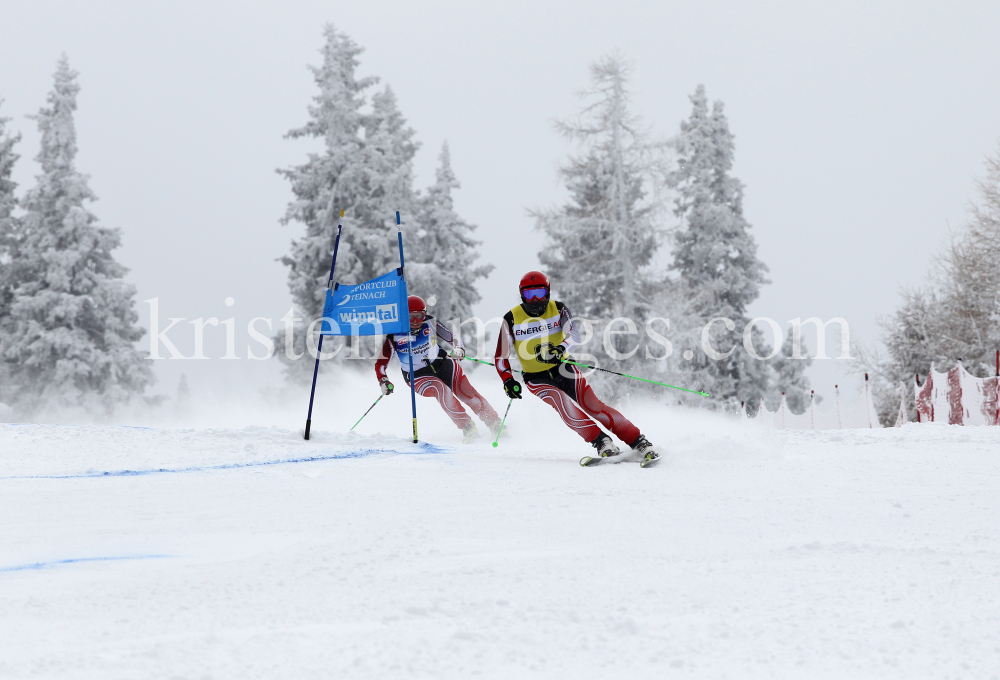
(541,331)
(437,374)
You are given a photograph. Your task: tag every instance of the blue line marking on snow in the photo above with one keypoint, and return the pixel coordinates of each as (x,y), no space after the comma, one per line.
(74,560)
(130,427)
(361,453)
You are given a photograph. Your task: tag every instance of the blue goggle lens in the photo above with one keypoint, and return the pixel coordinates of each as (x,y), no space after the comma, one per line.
(535,293)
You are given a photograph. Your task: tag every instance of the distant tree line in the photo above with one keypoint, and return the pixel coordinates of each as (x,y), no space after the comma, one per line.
(602,249)
(954,316)
(68,324)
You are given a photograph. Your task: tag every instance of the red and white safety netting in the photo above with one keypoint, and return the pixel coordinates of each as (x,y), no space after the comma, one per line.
(957,398)
(863,414)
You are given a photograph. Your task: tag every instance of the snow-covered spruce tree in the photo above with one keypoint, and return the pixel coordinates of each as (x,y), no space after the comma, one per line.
(443,253)
(968,280)
(600,243)
(8,234)
(8,200)
(913,338)
(389,150)
(8,221)
(68,338)
(364,168)
(715,255)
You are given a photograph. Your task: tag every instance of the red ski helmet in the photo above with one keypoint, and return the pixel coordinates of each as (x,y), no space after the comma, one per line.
(416,304)
(534,289)
(417,309)
(534,279)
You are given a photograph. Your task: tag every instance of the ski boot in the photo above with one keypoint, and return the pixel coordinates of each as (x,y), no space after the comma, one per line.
(645,452)
(470,433)
(606,449)
(495,427)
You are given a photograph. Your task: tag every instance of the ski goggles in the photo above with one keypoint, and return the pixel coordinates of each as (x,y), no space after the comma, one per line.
(418,317)
(535,293)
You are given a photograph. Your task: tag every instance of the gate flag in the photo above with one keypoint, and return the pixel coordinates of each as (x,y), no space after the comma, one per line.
(376,307)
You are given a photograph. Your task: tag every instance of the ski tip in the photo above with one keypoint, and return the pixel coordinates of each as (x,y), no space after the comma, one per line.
(341,214)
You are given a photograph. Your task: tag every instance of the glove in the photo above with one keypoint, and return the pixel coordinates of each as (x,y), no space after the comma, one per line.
(386,386)
(458,353)
(550,354)
(512,388)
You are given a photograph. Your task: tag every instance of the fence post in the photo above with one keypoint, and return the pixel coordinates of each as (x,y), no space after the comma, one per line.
(836,398)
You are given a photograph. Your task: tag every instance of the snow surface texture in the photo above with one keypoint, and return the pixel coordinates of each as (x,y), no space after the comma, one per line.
(748,553)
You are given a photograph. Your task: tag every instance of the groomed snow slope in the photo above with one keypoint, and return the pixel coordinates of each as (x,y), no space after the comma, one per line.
(748,553)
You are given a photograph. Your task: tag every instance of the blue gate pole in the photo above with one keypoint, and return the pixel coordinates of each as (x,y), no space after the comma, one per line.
(409,333)
(319,344)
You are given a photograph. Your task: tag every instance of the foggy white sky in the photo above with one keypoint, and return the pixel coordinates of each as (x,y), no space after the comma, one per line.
(859,126)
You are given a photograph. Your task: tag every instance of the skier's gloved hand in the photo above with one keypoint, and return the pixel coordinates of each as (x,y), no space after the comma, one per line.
(458,353)
(551,354)
(512,388)
(386,386)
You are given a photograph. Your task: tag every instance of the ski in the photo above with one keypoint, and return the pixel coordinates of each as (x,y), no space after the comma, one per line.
(591,461)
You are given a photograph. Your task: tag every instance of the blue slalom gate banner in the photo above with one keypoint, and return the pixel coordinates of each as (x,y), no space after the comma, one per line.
(376,307)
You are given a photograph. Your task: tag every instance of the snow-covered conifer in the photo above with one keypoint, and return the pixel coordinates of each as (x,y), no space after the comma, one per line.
(8,201)
(600,241)
(8,221)
(715,254)
(915,336)
(444,252)
(8,231)
(389,150)
(364,168)
(68,338)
